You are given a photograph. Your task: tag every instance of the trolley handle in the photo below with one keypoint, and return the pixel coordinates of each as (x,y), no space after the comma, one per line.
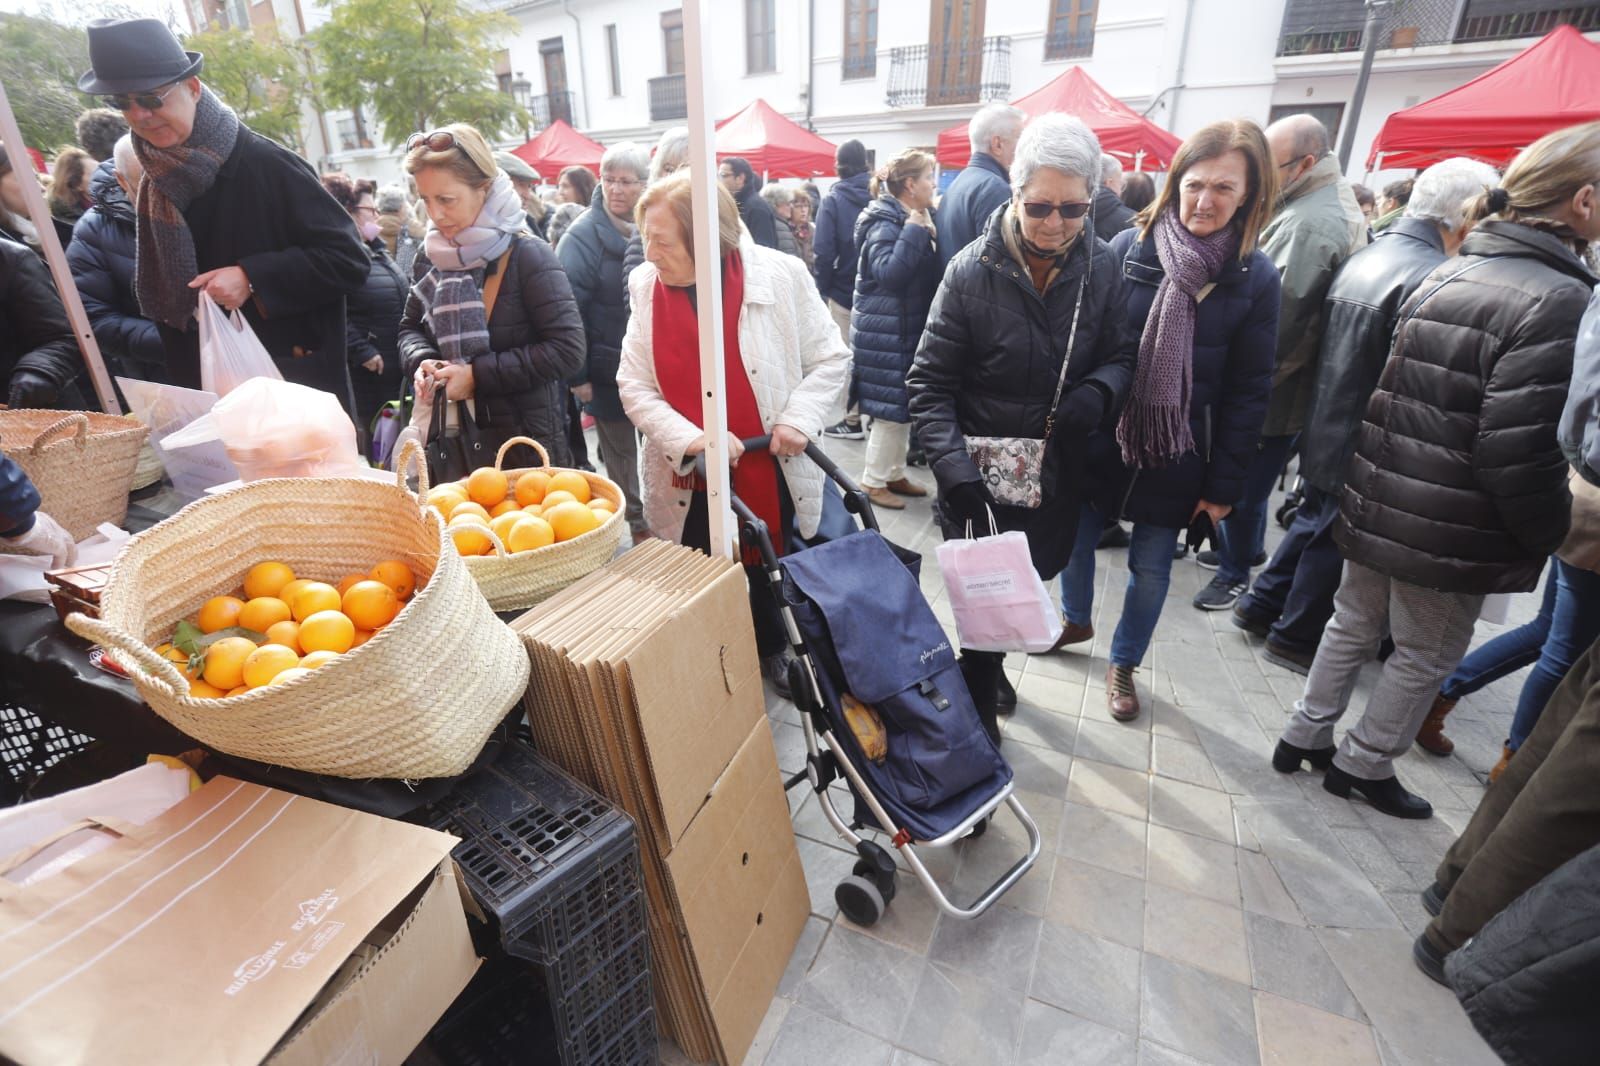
(855,499)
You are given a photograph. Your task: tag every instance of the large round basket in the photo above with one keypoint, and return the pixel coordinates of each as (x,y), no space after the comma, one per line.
(515,581)
(417,700)
(82,463)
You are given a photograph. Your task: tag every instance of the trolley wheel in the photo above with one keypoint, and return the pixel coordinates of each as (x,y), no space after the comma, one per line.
(886,882)
(860,900)
(978,830)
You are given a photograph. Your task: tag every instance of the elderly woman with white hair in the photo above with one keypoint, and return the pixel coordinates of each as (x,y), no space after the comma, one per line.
(671,155)
(781,198)
(592,251)
(1026,352)
(787,368)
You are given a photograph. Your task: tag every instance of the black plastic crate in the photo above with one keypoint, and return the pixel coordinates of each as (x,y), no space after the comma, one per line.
(29,747)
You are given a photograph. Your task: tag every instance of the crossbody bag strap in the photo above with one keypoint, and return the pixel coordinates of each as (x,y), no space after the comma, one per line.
(491,284)
(1066,360)
(1394,341)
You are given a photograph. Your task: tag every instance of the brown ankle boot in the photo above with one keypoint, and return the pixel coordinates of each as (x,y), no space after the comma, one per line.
(1500,767)
(1431,738)
(1122,699)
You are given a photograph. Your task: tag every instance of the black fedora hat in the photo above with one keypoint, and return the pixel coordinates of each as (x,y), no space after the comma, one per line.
(133,55)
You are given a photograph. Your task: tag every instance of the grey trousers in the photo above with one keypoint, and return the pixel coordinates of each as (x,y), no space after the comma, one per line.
(1431,631)
(619,450)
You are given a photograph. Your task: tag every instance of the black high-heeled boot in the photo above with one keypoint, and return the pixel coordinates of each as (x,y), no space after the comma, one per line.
(1286,758)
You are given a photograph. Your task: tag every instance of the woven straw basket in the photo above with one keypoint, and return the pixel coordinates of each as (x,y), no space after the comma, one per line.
(82,463)
(417,700)
(515,581)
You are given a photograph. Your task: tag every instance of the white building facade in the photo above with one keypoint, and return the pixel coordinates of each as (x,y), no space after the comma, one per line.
(893,73)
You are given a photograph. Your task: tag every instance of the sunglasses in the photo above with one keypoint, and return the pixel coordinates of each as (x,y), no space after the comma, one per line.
(149,101)
(437,141)
(1071,210)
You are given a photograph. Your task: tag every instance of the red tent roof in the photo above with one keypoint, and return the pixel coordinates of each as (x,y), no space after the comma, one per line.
(1122,130)
(1553,83)
(773,145)
(557,147)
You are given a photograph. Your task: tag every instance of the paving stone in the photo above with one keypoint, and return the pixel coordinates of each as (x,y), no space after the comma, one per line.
(1200,932)
(825,866)
(1111,788)
(1038,770)
(1289,961)
(1172,720)
(1293,1034)
(1112,742)
(767,1035)
(1374,858)
(1153,1054)
(1183,761)
(1051,1036)
(1205,867)
(959,1018)
(1097,901)
(863,983)
(998,947)
(805,953)
(902,1057)
(1050,730)
(1089,976)
(1197,1013)
(1192,809)
(1325,883)
(1262,890)
(909,920)
(1103,838)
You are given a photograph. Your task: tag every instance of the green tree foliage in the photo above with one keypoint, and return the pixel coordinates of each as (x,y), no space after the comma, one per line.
(415,64)
(40,61)
(263,81)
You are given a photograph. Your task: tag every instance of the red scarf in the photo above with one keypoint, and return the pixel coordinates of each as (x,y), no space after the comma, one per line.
(677,357)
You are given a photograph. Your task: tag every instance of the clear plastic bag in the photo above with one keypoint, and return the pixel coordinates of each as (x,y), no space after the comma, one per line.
(283,429)
(230,353)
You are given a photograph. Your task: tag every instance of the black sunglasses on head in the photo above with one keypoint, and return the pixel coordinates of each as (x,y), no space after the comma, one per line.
(1069,210)
(149,100)
(437,141)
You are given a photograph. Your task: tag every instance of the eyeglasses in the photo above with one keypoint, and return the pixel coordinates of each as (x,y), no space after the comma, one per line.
(437,141)
(149,101)
(1076,209)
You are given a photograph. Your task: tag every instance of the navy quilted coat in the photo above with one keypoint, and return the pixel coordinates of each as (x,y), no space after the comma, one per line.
(896,276)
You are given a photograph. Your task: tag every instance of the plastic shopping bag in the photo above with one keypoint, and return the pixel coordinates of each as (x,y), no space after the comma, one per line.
(284,429)
(230,353)
(996,595)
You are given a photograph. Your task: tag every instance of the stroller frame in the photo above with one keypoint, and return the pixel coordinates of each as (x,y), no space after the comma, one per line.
(865,894)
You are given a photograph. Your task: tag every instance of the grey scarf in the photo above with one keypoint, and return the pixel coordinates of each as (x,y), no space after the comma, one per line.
(174,178)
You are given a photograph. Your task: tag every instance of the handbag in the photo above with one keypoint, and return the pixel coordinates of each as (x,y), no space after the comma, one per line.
(451,458)
(1012,467)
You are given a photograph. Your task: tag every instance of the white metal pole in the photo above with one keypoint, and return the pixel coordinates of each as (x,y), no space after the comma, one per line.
(708,281)
(55,257)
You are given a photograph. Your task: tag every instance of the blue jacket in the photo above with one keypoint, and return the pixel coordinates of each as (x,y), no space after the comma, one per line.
(896,277)
(1235,341)
(969,201)
(18,499)
(101,258)
(836,238)
(591,252)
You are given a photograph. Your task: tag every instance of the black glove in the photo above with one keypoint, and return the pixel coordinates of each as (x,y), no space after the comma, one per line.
(967,502)
(31,389)
(1082,409)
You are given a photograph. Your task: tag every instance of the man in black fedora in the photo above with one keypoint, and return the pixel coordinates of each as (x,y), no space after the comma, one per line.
(224,210)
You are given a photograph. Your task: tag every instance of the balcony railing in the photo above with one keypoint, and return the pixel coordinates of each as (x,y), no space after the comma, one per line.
(1068,45)
(1531,23)
(860,65)
(551,106)
(1318,27)
(959,73)
(667,100)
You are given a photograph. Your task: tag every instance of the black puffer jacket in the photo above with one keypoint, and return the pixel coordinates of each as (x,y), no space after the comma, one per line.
(835,269)
(101,257)
(988,366)
(591,253)
(1235,340)
(372,322)
(896,275)
(1458,483)
(1111,215)
(35,338)
(536,342)
(1362,309)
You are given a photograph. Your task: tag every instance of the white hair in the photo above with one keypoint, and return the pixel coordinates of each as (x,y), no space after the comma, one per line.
(1060,142)
(390,200)
(124,160)
(776,195)
(672,152)
(998,119)
(1440,193)
(627,155)
(1110,171)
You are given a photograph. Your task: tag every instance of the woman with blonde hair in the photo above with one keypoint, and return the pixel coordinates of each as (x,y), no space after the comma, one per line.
(897,274)
(786,373)
(68,194)
(491,329)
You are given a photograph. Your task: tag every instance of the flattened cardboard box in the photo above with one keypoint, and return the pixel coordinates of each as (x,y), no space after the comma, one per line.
(204,936)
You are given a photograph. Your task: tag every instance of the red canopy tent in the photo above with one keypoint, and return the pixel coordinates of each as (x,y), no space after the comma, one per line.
(1122,130)
(1553,83)
(557,147)
(774,145)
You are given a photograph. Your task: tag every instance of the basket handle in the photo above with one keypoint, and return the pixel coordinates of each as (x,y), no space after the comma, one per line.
(412,451)
(499,545)
(135,656)
(80,421)
(544,456)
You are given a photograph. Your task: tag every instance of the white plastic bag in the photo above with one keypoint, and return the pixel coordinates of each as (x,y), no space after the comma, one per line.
(181,431)
(996,595)
(230,353)
(283,429)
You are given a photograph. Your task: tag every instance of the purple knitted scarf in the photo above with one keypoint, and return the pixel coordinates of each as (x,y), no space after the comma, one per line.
(1154,429)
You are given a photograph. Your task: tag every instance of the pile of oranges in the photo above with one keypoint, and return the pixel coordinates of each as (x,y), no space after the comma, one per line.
(543,507)
(302,625)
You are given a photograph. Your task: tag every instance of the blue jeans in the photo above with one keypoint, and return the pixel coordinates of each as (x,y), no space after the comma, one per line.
(1150,551)
(1295,592)
(1567,623)
(1243,533)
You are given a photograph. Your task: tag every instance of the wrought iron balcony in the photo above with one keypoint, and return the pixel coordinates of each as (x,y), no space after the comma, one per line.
(1317,27)
(551,106)
(1068,45)
(667,99)
(1499,21)
(860,65)
(960,73)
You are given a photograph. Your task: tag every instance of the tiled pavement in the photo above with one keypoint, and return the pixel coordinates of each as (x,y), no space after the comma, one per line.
(1190,906)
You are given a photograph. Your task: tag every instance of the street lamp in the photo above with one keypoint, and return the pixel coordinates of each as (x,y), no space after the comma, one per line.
(520,89)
